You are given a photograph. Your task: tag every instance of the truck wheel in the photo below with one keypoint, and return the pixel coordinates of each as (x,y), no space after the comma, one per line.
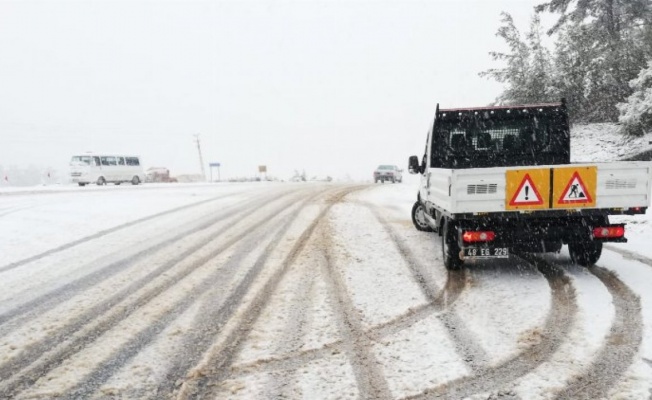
(419,218)
(585,253)
(81,184)
(393,180)
(449,247)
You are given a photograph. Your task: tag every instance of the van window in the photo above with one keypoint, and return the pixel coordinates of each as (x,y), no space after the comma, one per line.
(133,161)
(81,160)
(96,161)
(121,161)
(108,161)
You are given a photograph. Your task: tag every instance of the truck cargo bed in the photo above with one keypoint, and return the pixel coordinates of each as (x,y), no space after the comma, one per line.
(618,187)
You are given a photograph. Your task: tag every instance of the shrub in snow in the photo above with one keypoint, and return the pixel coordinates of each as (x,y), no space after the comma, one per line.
(636,113)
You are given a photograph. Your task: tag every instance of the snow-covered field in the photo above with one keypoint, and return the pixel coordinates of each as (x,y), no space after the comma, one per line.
(301,291)
(604,142)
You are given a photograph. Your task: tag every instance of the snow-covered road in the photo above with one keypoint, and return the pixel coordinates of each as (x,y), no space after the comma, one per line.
(299,291)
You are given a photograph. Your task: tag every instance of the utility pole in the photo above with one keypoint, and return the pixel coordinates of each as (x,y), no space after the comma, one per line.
(201,159)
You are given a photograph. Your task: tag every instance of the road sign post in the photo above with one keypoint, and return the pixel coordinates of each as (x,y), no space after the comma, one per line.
(216,165)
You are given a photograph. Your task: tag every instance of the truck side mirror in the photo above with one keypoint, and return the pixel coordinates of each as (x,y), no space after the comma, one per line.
(413,165)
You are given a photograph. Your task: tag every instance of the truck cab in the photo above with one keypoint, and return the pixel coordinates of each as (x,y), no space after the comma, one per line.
(499,180)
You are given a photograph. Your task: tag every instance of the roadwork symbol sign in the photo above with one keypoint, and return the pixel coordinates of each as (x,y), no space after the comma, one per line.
(575,187)
(526,194)
(527,189)
(575,191)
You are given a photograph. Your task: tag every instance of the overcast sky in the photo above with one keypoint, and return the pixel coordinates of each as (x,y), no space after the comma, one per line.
(332,88)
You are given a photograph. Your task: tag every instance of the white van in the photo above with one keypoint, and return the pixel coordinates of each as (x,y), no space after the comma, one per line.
(102,169)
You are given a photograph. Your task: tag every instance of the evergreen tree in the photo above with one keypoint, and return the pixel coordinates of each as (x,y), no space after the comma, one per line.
(636,113)
(602,46)
(527,67)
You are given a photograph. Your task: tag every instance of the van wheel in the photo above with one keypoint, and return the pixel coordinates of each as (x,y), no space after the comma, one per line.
(117,183)
(101,181)
(135,180)
(585,253)
(449,247)
(419,218)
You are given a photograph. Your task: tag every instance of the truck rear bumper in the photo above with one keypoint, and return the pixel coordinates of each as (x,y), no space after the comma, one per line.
(533,234)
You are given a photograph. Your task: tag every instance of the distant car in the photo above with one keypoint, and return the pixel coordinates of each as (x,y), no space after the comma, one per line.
(388,173)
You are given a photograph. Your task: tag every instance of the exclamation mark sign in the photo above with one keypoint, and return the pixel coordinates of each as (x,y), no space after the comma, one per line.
(527,192)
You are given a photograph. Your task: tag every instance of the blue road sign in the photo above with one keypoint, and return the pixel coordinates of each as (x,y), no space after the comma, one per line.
(214,164)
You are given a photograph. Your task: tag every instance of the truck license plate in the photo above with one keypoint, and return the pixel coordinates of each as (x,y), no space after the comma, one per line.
(487,252)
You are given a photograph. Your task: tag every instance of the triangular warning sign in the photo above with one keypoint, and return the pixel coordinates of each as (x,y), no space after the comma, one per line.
(526,194)
(575,191)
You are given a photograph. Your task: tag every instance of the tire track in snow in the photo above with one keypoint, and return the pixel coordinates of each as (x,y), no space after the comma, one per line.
(620,347)
(12,210)
(99,234)
(298,323)
(466,345)
(215,367)
(556,329)
(439,301)
(36,361)
(297,359)
(630,255)
(211,318)
(357,345)
(45,302)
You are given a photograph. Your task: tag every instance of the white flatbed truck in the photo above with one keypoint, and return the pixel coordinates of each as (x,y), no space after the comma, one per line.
(498,180)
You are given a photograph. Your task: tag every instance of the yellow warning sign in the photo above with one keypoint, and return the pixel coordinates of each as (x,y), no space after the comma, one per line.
(527,189)
(574,187)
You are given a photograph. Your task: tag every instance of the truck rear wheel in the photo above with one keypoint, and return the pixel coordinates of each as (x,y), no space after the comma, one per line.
(449,246)
(419,218)
(585,253)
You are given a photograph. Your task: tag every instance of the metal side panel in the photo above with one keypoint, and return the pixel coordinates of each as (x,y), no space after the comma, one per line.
(479,190)
(438,188)
(623,184)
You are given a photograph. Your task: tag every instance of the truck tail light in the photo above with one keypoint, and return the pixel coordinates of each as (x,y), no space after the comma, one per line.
(478,236)
(603,232)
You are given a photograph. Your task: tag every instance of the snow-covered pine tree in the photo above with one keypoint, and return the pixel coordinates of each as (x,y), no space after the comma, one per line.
(527,67)
(636,113)
(601,47)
